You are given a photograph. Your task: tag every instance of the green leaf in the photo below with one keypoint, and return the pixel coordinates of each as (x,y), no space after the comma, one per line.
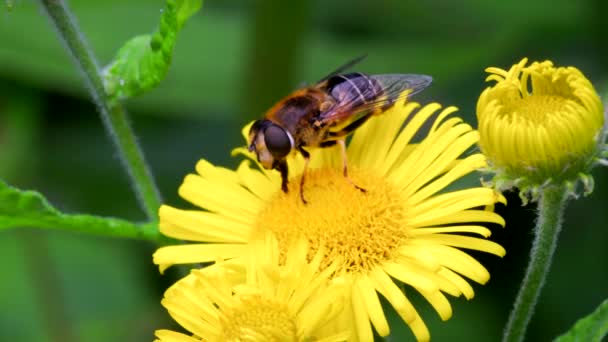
(186,9)
(142,63)
(15,204)
(19,208)
(589,329)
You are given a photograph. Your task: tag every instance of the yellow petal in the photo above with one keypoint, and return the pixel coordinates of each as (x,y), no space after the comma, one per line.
(406,135)
(385,285)
(465,288)
(483,231)
(420,330)
(410,274)
(339,337)
(196,225)
(421,256)
(197,253)
(361,322)
(439,303)
(218,174)
(452,202)
(366,290)
(461,217)
(382,131)
(439,120)
(463,242)
(257,182)
(172,336)
(431,186)
(427,161)
(234,201)
(460,262)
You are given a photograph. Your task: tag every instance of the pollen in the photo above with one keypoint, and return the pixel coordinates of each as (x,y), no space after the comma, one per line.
(258,319)
(359,228)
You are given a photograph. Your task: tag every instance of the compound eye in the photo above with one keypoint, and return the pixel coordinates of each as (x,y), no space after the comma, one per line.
(277,141)
(253,132)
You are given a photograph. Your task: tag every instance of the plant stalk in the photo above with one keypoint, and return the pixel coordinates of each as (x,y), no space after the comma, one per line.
(548,225)
(113,115)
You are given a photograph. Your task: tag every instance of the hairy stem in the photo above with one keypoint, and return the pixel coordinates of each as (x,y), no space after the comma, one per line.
(113,115)
(548,225)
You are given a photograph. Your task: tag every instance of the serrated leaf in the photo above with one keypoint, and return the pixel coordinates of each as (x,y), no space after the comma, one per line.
(143,61)
(591,328)
(26,208)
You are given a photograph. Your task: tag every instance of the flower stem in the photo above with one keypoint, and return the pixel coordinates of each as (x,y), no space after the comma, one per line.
(548,225)
(113,115)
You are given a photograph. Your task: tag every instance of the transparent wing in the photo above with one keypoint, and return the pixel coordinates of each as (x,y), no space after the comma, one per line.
(358,95)
(346,66)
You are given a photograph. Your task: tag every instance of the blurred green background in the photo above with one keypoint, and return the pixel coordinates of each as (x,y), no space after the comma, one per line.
(233,60)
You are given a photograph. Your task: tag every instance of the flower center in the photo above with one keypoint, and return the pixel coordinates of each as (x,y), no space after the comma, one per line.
(258,319)
(359,228)
(535,109)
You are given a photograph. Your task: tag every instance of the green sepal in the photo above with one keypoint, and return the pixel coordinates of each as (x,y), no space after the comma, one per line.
(143,61)
(25,208)
(591,328)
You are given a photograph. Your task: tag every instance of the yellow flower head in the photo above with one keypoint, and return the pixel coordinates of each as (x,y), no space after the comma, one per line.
(539,124)
(262,301)
(403,230)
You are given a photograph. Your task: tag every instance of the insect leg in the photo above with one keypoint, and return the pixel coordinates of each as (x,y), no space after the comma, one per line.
(351,127)
(306,156)
(328,143)
(345,165)
(282,167)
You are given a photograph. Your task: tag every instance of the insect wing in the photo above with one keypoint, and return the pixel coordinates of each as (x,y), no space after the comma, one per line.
(359,94)
(395,84)
(348,65)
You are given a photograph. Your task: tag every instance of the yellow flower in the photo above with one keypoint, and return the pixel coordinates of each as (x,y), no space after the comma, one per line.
(266,302)
(539,124)
(402,230)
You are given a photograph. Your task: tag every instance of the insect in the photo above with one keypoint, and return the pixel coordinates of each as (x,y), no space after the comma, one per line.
(323,115)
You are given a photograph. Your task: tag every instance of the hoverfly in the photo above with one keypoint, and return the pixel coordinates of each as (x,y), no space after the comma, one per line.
(323,115)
